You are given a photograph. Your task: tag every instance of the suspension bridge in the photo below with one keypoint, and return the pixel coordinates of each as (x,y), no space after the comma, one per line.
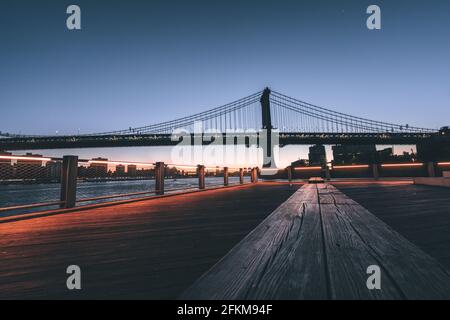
(269,240)
(293,120)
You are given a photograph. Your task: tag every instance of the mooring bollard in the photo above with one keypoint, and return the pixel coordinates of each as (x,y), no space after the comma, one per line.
(225,176)
(69,181)
(241,176)
(289,174)
(201,176)
(431,170)
(327,173)
(375,171)
(159,178)
(254,175)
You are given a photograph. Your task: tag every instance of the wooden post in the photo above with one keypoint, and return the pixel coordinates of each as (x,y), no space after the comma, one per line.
(201,177)
(69,181)
(254,175)
(431,170)
(241,176)
(159,178)
(327,173)
(225,176)
(289,174)
(375,171)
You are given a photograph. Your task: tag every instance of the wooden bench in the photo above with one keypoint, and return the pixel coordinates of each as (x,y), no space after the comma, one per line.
(318,245)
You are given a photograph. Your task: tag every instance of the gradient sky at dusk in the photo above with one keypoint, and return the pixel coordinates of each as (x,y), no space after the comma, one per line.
(136,63)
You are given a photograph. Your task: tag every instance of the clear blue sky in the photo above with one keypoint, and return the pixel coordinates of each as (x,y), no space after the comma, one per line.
(136,63)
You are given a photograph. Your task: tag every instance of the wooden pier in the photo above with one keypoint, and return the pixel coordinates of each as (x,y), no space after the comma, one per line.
(318,245)
(257,241)
(152,249)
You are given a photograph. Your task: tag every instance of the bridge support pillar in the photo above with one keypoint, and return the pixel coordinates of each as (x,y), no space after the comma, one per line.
(375,171)
(201,177)
(225,176)
(159,178)
(289,174)
(241,176)
(69,181)
(431,170)
(268,153)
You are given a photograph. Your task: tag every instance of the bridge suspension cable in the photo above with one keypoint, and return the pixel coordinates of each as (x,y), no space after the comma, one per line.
(287,114)
(292,115)
(239,114)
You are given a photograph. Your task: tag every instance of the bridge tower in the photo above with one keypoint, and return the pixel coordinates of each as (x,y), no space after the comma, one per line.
(267,125)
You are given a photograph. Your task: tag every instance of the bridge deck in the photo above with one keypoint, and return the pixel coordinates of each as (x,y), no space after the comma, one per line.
(285,138)
(318,245)
(151,249)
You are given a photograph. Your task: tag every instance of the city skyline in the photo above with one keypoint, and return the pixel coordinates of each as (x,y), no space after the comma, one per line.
(35,167)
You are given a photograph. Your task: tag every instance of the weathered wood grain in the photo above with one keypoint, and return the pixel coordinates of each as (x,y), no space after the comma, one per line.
(151,249)
(259,267)
(415,274)
(421,214)
(318,244)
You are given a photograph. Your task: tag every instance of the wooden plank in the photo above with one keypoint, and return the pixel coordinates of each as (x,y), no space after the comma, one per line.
(319,244)
(308,193)
(143,250)
(417,274)
(355,239)
(298,271)
(348,257)
(419,213)
(261,266)
(327,193)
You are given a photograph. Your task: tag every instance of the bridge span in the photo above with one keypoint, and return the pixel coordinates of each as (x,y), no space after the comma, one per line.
(267,112)
(160,139)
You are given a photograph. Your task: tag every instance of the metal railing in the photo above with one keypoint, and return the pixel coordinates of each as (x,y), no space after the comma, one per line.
(32,182)
(374,170)
(76,182)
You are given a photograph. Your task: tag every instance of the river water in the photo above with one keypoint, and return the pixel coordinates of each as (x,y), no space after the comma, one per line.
(22,194)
